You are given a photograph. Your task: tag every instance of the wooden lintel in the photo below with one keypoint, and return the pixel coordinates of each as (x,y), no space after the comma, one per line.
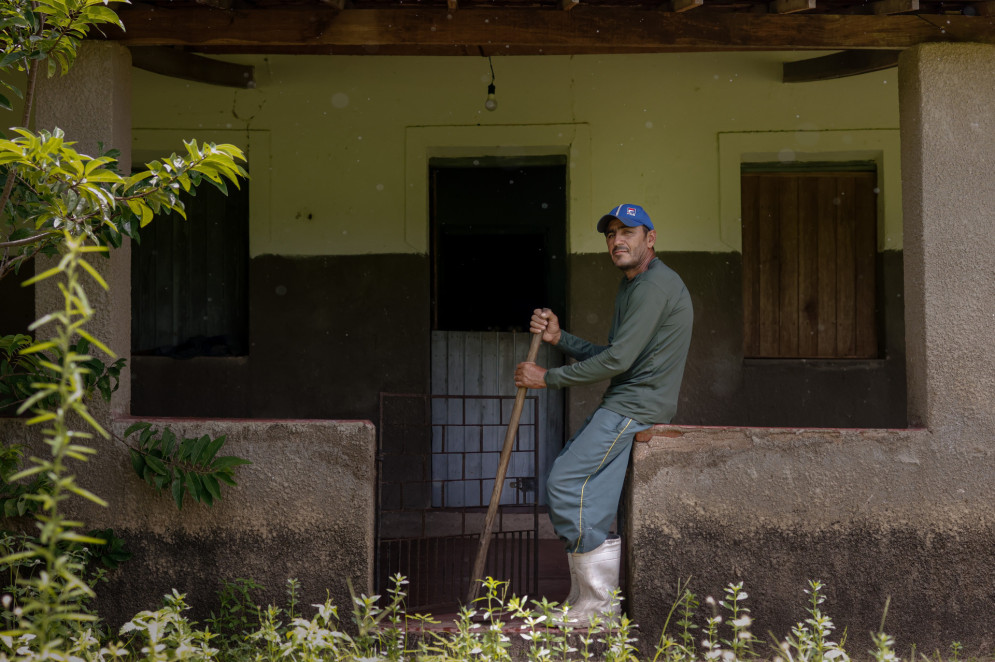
(453,5)
(684,5)
(586,29)
(882,7)
(838,65)
(217,4)
(567,5)
(790,6)
(180,64)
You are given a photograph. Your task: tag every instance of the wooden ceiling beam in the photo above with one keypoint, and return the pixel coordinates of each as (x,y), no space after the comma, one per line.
(179,64)
(883,7)
(684,5)
(838,65)
(791,6)
(586,29)
(217,4)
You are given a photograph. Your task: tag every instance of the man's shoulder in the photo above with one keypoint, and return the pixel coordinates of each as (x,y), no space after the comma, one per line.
(659,277)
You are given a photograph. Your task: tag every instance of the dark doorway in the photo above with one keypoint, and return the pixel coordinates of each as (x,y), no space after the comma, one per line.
(498,251)
(498,241)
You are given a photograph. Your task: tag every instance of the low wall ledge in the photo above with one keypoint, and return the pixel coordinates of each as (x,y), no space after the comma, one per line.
(166,420)
(692,438)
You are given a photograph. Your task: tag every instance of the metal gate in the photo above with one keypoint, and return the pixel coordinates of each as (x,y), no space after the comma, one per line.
(437,458)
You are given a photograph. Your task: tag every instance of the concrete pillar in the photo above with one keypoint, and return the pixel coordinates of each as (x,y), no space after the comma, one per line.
(92,104)
(946,95)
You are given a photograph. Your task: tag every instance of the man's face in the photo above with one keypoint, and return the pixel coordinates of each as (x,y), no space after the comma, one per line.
(629,246)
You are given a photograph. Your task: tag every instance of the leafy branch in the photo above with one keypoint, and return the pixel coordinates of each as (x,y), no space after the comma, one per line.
(62,188)
(56,593)
(185,465)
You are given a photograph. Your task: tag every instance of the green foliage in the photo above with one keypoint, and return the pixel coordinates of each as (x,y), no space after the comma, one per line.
(237,615)
(244,632)
(57,201)
(50,30)
(52,597)
(109,554)
(166,634)
(48,185)
(184,465)
(809,640)
(63,189)
(19,371)
(15,497)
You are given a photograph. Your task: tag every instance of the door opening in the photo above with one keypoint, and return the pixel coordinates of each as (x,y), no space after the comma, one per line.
(498,251)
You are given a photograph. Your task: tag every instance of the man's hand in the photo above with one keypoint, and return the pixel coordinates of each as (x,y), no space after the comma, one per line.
(546,323)
(530,375)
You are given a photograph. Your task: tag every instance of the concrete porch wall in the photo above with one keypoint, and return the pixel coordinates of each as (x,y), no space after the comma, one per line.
(872,513)
(304,509)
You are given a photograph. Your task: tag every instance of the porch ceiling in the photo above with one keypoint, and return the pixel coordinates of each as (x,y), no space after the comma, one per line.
(551,27)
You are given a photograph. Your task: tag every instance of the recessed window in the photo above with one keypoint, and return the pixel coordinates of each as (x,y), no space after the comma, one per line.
(189,278)
(809,249)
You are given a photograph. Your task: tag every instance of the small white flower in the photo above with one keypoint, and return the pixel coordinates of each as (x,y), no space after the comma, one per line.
(742,622)
(710,601)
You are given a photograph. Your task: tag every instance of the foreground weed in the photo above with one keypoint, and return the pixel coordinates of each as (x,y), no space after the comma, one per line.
(237,615)
(618,631)
(166,634)
(682,647)
(809,640)
(546,641)
(740,643)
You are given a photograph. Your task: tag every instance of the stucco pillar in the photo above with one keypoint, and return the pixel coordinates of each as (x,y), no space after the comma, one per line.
(92,104)
(947,92)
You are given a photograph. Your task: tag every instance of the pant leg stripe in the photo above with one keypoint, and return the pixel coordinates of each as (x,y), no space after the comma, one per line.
(580,517)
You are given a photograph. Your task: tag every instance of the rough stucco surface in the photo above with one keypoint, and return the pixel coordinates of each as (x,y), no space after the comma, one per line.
(873,513)
(304,509)
(904,514)
(92,105)
(948,137)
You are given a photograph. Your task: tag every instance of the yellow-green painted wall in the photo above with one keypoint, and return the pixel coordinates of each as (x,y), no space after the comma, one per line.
(339,145)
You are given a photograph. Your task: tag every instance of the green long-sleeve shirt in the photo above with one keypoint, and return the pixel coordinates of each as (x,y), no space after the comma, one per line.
(646,352)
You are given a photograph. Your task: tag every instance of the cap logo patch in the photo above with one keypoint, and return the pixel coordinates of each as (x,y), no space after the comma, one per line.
(630,211)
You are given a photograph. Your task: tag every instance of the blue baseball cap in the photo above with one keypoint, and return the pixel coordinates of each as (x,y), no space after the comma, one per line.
(630,215)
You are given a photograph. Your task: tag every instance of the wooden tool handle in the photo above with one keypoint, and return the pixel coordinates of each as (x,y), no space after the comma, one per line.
(509,443)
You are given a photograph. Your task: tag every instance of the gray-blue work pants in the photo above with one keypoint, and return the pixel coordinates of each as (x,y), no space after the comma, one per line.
(585,483)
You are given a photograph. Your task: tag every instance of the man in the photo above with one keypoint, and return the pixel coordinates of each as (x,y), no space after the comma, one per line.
(644,359)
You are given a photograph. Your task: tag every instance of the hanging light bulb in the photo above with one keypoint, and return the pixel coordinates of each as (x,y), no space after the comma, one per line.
(491,102)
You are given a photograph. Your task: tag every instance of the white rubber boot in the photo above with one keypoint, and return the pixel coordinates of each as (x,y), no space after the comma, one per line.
(571,600)
(574,594)
(596,576)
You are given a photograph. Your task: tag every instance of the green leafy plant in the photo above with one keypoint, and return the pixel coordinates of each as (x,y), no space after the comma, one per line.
(15,497)
(19,370)
(56,201)
(188,465)
(109,554)
(809,639)
(237,613)
(166,634)
(53,595)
